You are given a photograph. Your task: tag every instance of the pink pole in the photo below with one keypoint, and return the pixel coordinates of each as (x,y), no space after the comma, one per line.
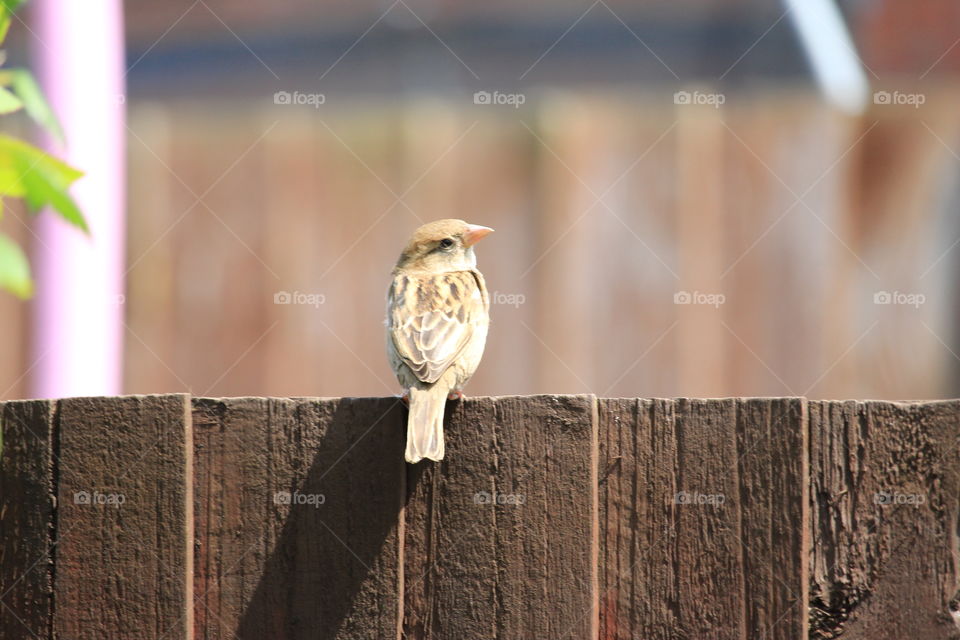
(78,310)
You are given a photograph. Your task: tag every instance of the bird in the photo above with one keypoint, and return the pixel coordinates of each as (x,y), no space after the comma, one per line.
(438,313)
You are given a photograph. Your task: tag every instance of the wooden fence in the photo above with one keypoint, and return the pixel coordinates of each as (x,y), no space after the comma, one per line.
(696,199)
(172,517)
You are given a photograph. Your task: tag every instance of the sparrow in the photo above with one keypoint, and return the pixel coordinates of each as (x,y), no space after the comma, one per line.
(438,312)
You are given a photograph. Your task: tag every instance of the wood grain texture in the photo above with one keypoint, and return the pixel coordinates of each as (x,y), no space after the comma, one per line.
(297,504)
(123,503)
(701,518)
(550,517)
(499,536)
(26,518)
(884,507)
(773,471)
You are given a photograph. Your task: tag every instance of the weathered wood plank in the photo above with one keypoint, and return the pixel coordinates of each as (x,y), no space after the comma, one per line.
(701,518)
(559,257)
(297,504)
(26,518)
(639,592)
(708,549)
(154,297)
(773,470)
(500,536)
(701,340)
(123,518)
(706,527)
(884,508)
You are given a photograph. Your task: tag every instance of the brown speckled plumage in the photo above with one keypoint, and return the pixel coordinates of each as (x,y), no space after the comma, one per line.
(437,319)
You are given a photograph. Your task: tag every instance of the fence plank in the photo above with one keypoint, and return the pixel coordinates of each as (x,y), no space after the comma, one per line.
(26,518)
(507,570)
(701,340)
(676,562)
(331,231)
(273,561)
(707,547)
(884,493)
(124,525)
(153,295)
(309,524)
(638,453)
(772,445)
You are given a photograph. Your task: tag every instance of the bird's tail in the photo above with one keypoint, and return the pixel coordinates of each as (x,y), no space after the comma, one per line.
(425,424)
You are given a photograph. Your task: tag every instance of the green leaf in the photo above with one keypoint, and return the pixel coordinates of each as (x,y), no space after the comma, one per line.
(9,102)
(28,91)
(14,269)
(10,182)
(4,23)
(7,7)
(39,178)
(12,5)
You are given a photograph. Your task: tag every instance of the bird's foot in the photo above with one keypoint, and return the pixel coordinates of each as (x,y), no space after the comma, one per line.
(405,397)
(456,394)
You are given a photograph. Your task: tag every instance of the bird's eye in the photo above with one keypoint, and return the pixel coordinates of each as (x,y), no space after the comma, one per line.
(446,243)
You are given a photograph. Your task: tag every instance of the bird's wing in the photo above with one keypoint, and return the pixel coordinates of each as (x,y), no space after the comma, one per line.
(432,317)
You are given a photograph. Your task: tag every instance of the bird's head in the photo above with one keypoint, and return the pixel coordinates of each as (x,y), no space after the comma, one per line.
(442,246)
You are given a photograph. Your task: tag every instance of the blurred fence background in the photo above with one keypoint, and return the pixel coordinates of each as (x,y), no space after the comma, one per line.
(786,219)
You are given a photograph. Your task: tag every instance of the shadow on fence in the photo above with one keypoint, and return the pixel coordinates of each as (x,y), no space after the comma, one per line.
(551,517)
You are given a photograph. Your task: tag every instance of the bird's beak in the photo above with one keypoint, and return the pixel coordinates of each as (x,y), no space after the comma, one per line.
(474,234)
